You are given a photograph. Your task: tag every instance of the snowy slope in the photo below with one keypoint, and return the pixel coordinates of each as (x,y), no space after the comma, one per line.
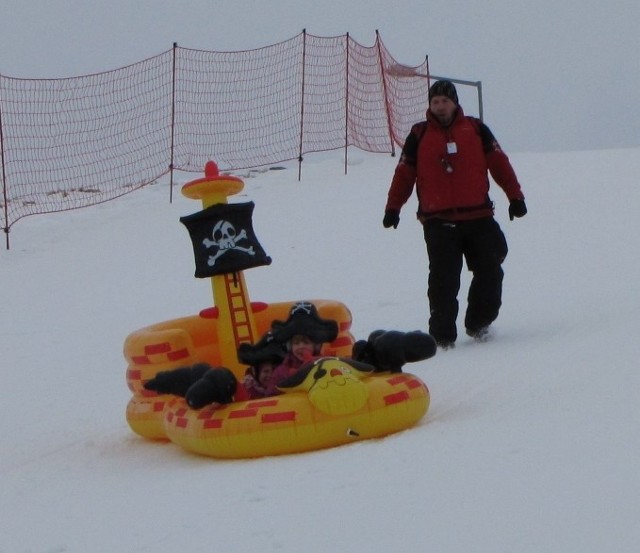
(532,440)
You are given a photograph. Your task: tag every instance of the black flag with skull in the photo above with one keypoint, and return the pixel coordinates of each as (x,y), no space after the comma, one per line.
(223,239)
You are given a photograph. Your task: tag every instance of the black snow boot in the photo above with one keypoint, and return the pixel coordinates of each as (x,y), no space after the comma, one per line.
(218,385)
(177,381)
(389,350)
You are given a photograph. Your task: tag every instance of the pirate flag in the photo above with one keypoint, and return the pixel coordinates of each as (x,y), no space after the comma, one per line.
(223,239)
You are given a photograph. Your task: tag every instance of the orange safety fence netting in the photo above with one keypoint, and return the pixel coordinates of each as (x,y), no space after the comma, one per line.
(75,142)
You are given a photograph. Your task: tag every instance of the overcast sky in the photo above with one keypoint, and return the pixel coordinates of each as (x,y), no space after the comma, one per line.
(556,75)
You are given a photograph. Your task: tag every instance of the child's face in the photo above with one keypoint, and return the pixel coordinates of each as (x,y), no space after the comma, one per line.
(302,347)
(265,372)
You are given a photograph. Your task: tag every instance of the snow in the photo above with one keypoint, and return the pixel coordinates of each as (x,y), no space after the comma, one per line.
(531,443)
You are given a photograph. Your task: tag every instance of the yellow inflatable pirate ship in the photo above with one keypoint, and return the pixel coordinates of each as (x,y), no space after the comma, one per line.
(338,401)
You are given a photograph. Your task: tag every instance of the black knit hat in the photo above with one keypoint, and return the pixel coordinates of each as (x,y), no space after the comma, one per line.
(304,320)
(266,349)
(444,88)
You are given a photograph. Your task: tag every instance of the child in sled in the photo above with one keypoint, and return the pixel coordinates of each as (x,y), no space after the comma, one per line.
(302,334)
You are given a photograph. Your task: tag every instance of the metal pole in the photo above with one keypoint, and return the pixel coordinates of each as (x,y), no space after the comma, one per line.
(426,59)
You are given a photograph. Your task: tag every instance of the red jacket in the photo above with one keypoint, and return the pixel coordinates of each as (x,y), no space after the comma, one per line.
(448,167)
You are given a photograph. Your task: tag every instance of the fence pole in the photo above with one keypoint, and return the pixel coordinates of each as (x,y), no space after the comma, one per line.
(386,96)
(304,62)
(346,109)
(4,181)
(173,120)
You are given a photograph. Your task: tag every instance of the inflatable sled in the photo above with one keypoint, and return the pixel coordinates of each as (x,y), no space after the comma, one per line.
(183,342)
(336,400)
(343,405)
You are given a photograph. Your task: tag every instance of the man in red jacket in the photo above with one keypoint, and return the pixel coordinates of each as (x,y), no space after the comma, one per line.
(447,158)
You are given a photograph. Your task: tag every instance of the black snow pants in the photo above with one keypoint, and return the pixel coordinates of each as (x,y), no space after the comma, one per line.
(482,244)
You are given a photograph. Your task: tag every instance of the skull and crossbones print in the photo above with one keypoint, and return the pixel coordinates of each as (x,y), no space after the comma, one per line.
(226,238)
(303,306)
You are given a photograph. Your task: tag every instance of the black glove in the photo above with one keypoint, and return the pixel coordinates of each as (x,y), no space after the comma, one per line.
(391,218)
(517,208)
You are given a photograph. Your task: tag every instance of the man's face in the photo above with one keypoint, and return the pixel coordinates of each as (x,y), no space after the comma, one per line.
(444,109)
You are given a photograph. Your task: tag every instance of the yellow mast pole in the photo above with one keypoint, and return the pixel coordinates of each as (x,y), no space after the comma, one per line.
(235,322)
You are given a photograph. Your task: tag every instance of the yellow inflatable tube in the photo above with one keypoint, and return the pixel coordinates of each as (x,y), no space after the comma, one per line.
(185,341)
(339,407)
